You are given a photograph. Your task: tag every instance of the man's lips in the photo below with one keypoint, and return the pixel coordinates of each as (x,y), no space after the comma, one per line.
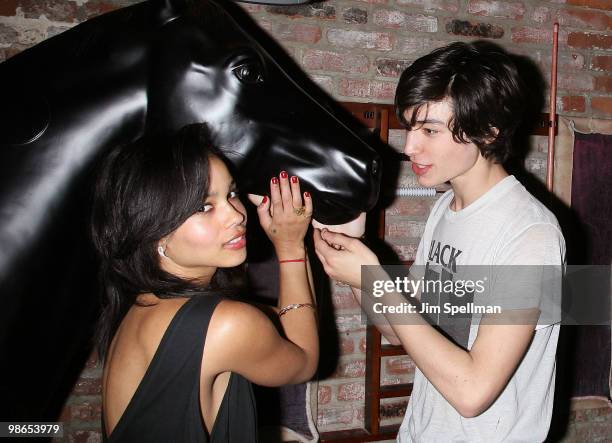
(420,169)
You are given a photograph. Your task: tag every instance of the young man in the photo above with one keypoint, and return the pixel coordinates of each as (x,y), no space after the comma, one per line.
(491,378)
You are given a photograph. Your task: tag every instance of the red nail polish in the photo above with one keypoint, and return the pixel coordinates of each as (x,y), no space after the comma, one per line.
(306,194)
(294,179)
(283,174)
(274,181)
(265,199)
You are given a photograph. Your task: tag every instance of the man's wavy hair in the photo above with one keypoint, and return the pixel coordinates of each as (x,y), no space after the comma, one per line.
(145,191)
(483,86)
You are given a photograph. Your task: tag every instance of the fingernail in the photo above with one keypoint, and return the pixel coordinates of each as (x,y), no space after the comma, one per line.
(283,174)
(307,194)
(265,199)
(275,180)
(294,179)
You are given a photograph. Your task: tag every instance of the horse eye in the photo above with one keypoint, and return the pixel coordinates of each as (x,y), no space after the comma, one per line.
(248,72)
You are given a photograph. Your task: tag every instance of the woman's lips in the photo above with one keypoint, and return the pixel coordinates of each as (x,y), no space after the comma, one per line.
(236,243)
(420,169)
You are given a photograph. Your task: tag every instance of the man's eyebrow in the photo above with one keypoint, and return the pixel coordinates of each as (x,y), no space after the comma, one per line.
(430,121)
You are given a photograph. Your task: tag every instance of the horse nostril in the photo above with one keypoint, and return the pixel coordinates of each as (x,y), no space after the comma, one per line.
(374,167)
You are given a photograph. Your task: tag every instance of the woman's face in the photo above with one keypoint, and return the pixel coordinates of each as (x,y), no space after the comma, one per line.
(212,237)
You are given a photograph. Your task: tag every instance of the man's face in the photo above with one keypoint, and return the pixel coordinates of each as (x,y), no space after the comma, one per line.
(436,157)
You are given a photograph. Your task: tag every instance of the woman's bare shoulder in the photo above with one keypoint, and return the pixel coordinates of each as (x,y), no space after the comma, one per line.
(234,316)
(237,330)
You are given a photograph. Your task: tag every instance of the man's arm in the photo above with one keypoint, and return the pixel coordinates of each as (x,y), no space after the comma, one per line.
(383,326)
(469,380)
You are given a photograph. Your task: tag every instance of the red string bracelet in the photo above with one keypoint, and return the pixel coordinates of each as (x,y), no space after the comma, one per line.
(295,260)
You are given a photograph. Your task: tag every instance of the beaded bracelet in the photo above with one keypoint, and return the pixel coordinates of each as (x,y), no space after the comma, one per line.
(287,308)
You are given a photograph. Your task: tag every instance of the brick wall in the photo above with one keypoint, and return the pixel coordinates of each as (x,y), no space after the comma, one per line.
(356,50)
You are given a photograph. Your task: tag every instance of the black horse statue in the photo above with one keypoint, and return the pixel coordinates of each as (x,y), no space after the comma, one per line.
(149,68)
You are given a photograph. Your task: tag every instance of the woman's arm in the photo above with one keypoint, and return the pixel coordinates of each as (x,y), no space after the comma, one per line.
(253,345)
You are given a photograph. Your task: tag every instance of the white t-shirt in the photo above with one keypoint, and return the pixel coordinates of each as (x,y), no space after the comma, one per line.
(505,226)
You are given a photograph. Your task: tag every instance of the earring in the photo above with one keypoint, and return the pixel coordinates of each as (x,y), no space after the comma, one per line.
(162,251)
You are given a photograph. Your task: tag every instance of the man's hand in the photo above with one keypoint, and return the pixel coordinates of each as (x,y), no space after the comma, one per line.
(342,256)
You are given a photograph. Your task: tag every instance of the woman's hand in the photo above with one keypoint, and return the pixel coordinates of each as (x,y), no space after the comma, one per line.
(343,256)
(285,217)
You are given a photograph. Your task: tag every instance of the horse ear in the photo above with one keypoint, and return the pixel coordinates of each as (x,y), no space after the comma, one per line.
(168,10)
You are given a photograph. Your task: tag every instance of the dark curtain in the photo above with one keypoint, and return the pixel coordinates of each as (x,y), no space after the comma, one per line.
(592,201)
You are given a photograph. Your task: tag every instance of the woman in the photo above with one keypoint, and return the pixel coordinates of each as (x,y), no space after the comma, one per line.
(178,352)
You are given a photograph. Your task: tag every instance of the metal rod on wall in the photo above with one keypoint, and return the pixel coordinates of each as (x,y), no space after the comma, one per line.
(550,164)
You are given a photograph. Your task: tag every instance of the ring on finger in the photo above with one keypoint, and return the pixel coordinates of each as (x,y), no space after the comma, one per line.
(299,211)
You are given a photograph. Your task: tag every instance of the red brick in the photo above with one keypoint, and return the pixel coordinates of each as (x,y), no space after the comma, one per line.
(399,228)
(53,10)
(251,8)
(601,63)
(603,84)
(473,29)
(87,386)
(409,22)
(350,322)
(347,345)
(416,207)
(596,4)
(334,416)
(418,45)
(64,415)
(540,14)
(84,437)
(381,41)
(321,10)
(578,81)
(325,82)
(591,41)
(93,362)
(572,61)
(297,32)
(362,344)
(334,61)
(602,104)
(591,414)
(407,251)
(390,67)
(8,8)
(7,34)
(351,391)
(351,369)
(86,410)
(324,394)
(495,8)
(343,298)
(395,409)
(576,18)
(431,5)
(93,8)
(367,89)
(571,103)
(399,365)
(526,34)
(355,15)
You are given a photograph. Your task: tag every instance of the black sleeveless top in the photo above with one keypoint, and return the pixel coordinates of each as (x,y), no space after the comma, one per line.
(166,405)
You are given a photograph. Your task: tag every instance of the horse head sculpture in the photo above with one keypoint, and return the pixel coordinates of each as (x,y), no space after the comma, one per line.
(149,68)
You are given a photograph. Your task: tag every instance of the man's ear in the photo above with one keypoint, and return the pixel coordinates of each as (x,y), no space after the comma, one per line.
(494,133)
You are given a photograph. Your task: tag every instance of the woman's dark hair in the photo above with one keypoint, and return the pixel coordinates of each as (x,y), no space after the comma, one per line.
(146,190)
(483,85)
